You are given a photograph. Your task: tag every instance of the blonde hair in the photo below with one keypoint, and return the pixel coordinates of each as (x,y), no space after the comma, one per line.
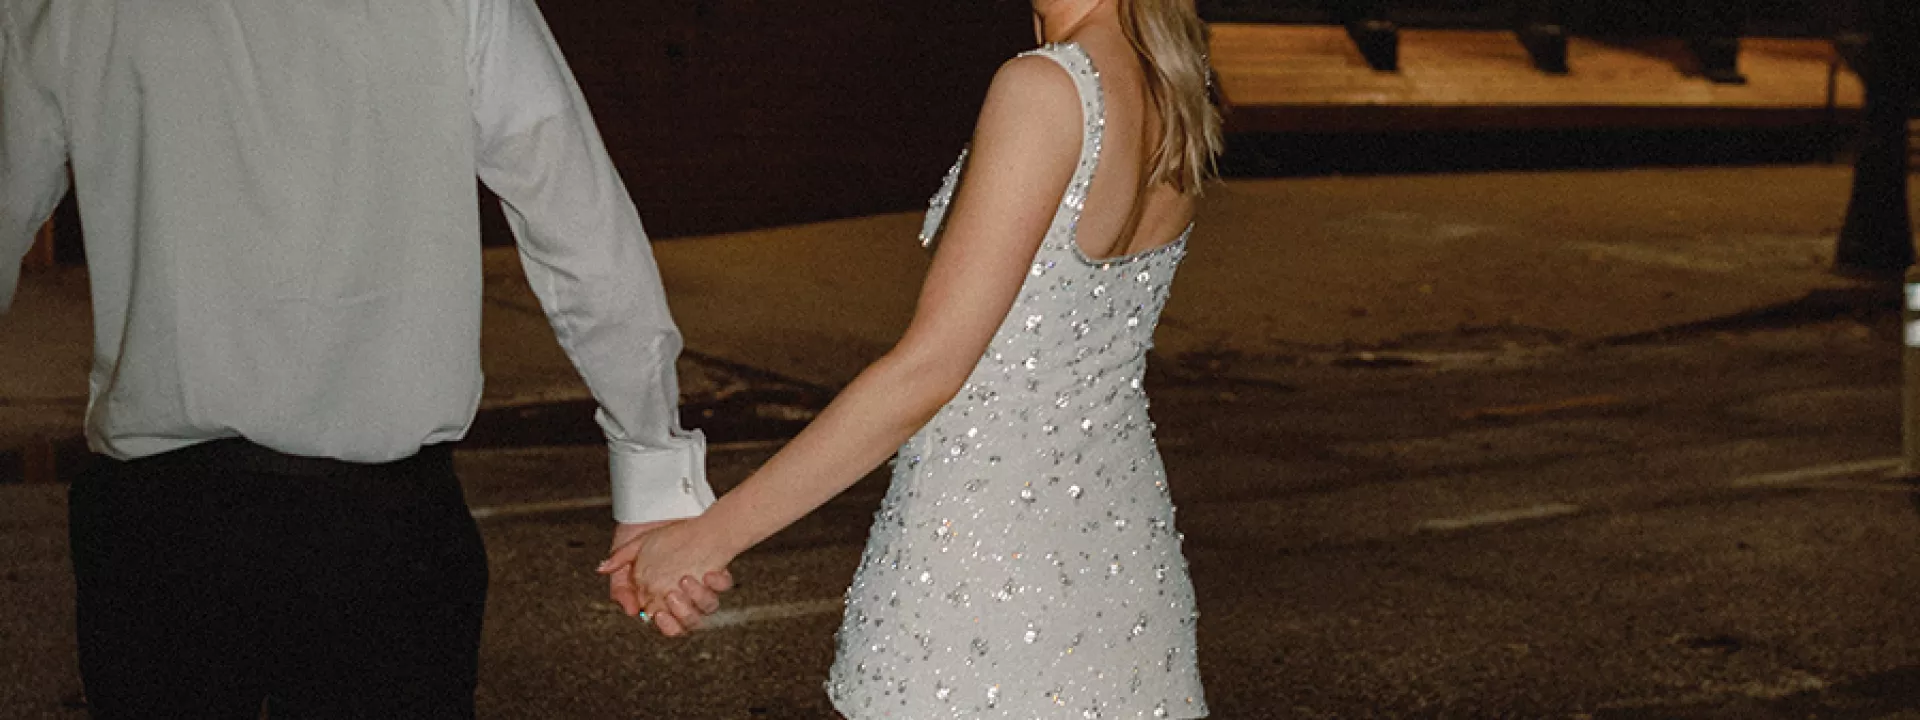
(1171,41)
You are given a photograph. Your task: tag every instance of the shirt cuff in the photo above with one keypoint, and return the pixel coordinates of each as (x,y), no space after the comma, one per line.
(660,483)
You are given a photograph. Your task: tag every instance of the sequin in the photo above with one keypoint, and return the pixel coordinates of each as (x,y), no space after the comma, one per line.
(1018,568)
(1005,593)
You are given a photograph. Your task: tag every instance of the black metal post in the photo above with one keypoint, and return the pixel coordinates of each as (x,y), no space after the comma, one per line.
(1543,33)
(1713,29)
(1373,34)
(1877,239)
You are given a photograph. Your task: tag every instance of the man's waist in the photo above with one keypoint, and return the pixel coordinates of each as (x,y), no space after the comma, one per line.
(241,455)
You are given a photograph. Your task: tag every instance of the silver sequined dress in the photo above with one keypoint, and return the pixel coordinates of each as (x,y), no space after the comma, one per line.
(1025,563)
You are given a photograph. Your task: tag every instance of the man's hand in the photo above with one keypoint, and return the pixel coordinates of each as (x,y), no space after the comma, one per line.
(695,599)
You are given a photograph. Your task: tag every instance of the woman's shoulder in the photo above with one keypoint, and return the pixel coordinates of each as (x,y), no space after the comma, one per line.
(1031,127)
(1036,73)
(1036,90)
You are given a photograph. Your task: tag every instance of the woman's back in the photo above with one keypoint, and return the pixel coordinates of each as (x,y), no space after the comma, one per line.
(1127,212)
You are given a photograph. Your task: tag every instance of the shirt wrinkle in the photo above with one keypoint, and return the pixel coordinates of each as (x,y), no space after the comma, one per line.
(200,196)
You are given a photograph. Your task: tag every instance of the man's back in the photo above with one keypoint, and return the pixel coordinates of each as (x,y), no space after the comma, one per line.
(279,211)
(278,200)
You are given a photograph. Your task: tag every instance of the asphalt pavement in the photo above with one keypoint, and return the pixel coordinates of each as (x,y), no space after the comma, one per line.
(1703,525)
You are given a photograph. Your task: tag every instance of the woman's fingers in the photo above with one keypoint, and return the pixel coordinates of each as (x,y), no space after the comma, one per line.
(702,597)
(684,611)
(665,622)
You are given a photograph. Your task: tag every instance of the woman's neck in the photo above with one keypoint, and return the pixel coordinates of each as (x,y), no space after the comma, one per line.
(1059,20)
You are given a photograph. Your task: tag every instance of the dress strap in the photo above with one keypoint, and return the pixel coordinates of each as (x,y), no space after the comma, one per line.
(1086,79)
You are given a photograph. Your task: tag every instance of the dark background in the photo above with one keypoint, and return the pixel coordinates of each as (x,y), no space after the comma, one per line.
(733,114)
(727,115)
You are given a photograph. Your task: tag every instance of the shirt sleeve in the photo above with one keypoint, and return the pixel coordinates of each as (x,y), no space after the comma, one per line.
(586,256)
(33,150)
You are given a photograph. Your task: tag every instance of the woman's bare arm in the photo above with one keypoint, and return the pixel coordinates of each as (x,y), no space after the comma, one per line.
(1025,147)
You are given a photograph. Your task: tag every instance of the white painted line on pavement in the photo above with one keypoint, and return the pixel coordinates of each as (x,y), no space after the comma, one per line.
(765,613)
(539,508)
(1885,487)
(588,503)
(747,446)
(1500,517)
(1818,472)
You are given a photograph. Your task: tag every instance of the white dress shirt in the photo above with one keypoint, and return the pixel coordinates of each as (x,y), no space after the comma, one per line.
(278,200)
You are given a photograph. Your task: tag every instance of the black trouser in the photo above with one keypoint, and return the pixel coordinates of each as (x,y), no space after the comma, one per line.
(217,578)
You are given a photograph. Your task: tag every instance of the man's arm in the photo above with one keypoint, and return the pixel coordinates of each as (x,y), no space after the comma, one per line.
(586,256)
(33,148)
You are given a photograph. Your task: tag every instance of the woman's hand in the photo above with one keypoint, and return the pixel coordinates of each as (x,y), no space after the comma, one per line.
(674,571)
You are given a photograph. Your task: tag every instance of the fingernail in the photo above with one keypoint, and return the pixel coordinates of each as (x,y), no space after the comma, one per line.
(605,565)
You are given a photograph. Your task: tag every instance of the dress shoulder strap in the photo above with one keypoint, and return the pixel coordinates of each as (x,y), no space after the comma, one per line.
(1086,79)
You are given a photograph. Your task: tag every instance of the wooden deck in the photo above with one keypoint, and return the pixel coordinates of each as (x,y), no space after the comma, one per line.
(1290,78)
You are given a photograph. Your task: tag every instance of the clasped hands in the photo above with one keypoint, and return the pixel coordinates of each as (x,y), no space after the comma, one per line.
(666,569)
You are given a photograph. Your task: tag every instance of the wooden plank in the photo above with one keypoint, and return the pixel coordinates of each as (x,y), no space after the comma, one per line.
(41,254)
(1276,77)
